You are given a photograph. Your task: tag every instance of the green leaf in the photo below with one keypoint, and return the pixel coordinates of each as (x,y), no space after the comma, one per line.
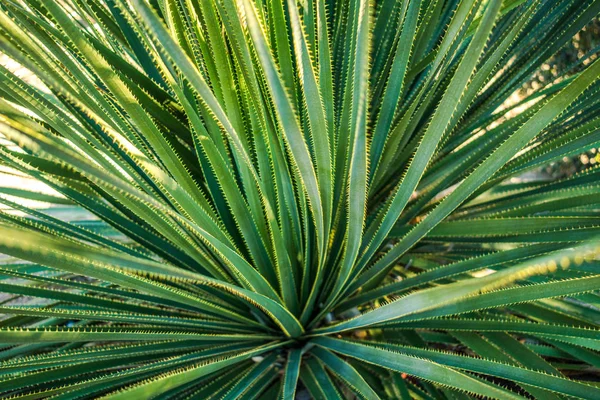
(291,374)
(177,378)
(346,372)
(411,365)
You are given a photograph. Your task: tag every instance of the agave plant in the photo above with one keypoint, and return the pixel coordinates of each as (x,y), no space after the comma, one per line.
(261,199)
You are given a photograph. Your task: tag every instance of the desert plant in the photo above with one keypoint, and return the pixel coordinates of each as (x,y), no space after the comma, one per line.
(297,198)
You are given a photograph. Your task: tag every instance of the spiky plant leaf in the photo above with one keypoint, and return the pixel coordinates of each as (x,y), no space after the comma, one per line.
(261,199)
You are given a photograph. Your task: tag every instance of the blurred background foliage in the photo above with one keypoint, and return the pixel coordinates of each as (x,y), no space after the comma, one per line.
(566,62)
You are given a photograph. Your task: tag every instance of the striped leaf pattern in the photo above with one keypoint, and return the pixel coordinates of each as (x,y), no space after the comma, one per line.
(322,199)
